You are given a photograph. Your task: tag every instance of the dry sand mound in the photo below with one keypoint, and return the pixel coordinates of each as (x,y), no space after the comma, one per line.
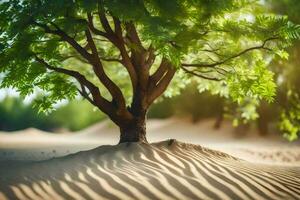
(33,144)
(166,170)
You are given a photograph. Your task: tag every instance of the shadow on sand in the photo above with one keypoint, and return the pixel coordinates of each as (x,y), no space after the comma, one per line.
(166,170)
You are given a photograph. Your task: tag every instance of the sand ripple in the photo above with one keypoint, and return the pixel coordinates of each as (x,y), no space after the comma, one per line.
(166,170)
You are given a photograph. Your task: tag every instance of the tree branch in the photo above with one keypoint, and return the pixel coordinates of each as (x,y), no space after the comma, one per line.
(92,27)
(151,57)
(104,105)
(138,52)
(133,35)
(200,75)
(65,37)
(102,76)
(84,93)
(93,60)
(117,40)
(103,19)
(159,73)
(262,46)
(118,28)
(162,85)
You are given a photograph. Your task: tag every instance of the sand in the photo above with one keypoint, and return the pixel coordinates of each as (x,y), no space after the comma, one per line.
(87,165)
(165,170)
(33,144)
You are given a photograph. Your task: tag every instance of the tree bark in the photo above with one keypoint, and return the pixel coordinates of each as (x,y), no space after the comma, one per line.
(134,131)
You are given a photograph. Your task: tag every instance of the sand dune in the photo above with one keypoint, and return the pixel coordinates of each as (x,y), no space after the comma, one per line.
(166,170)
(33,144)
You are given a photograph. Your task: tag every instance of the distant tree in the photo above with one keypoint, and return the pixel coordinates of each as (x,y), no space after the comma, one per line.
(121,55)
(15,115)
(77,120)
(287,74)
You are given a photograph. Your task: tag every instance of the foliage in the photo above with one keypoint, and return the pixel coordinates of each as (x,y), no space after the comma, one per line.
(72,118)
(190,103)
(16,115)
(287,75)
(290,118)
(226,41)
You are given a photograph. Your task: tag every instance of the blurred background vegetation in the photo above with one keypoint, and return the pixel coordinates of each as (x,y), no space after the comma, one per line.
(16,115)
(79,114)
(282,115)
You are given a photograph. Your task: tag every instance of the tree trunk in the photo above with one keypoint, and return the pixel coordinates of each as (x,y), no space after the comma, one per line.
(219,120)
(264,119)
(135,131)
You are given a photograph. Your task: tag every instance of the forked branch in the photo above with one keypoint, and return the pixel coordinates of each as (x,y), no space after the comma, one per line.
(154,91)
(103,104)
(102,76)
(116,39)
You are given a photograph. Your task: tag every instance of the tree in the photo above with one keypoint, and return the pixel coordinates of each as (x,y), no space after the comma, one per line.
(15,115)
(288,95)
(121,55)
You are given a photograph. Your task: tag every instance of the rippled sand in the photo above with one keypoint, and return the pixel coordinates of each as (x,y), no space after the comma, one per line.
(165,170)
(256,167)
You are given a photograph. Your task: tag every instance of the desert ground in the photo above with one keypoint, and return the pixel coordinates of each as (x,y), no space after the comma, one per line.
(202,163)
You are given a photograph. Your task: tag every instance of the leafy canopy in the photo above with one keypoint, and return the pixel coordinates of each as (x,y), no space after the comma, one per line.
(226,44)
